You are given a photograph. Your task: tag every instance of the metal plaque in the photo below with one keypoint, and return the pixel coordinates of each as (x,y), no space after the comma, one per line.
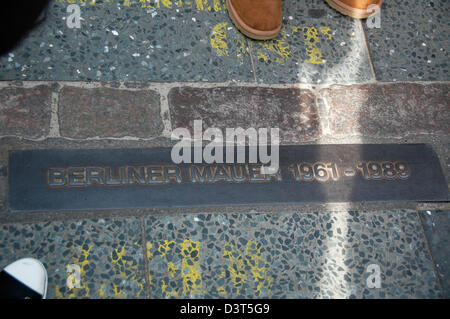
(93,179)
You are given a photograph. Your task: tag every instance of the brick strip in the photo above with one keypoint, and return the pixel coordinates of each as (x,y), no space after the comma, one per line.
(109,112)
(25,112)
(293,111)
(390,110)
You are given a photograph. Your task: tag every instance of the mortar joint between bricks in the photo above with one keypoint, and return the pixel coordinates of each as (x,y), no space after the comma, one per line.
(163,92)
(323,109)
(54,130)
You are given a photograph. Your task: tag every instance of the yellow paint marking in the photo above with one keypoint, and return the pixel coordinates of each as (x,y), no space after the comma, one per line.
(217,5)
(236,266)
(295,29)
(279,47)
(261,56)
(201,4)
(241,46)
(117,255)
(166,3)
(311,36)
(145,4)
(277,50)
(149,247)
(81,259)
(258,267)
(190,268)
(163,248)
(326,31)
(221,290)
(101,291)
(219,42)
(126,268)
(237,269)
(218,39)
(171,269)
(118,292)
(58,293)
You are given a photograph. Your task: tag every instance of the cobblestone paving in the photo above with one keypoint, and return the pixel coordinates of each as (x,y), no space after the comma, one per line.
(39,110)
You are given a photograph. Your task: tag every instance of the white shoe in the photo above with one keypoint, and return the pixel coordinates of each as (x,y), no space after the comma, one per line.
(24,279)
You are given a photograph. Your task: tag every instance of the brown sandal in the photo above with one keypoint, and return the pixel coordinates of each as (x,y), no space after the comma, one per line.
(358,9)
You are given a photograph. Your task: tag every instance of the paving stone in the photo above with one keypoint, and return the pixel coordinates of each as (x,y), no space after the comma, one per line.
(25,111)
(412,43)
(148,41)
(316,45)
(411,270)
(289,255)
(292,110)
(132,40)
(437,229)
(257,255)
(107,112)
(388,109)
(107,253)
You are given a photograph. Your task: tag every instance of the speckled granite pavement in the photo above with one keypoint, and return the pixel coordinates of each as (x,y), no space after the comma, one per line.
(256,255)
(412,43)
(316,45)
(170,41)
(436,225)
